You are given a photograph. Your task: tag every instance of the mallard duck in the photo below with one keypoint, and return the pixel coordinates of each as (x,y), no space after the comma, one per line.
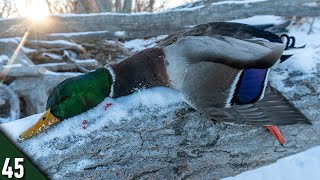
(220,68)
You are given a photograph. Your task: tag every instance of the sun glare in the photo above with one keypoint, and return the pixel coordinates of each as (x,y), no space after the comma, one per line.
(36,10)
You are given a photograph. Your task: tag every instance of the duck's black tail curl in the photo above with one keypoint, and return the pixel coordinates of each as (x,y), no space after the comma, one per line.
(290,44)
(285,38)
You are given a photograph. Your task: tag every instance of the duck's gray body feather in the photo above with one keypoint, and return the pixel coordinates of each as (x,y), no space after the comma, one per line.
(206,70)
(216,67)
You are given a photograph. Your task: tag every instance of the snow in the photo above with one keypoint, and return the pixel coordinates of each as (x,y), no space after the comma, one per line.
(19,125)
(120,33)
(4,120)
(102,14)
(12,65)
(52,56)
(62,42)
(6,40)
(187,8)
(60,73)
(78,33)
(304,165)
(140,44)
(28,50)
(237,2)
(311,4)
(305,59)
(257,20)
(132,106)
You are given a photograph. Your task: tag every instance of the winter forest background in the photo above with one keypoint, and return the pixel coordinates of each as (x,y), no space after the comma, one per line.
(43,42)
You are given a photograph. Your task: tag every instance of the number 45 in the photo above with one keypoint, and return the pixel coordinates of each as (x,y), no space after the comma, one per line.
(7,170)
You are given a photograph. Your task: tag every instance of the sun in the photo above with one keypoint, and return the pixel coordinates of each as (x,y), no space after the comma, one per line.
(36,10)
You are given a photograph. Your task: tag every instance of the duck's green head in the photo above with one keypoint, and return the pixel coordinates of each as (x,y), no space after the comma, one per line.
(72,97)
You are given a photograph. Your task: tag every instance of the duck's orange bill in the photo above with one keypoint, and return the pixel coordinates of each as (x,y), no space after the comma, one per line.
(46,120)
(276,133)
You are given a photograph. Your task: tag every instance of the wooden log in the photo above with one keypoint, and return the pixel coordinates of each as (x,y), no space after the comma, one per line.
(55,44)
(41,69)
(151,24)
(81,37)
(67,58)
(170,142)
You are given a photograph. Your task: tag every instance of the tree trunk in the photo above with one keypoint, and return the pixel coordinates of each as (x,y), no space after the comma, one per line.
(118,6)
(127,6)
(104,5)
(86,6)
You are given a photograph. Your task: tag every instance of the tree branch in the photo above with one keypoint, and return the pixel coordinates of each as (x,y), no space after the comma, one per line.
(66,57)
(20,71)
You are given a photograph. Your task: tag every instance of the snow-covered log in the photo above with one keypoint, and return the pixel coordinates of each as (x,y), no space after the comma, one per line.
(152,134)
(60,44)
(152,24)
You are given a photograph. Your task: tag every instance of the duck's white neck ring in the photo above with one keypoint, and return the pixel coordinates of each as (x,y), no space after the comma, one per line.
(109,68)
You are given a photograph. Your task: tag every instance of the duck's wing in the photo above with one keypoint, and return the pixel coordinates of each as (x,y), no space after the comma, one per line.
(239,54)
(273,109)
(223,71)
(238,67)
(229,29)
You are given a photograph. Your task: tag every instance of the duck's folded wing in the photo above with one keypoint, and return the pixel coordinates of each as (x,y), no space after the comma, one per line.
(229,29)
(273,109)
(239,54)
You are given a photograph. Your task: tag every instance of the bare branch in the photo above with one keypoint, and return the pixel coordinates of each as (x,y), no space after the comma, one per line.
(13,101)
(37,70)
(66,56)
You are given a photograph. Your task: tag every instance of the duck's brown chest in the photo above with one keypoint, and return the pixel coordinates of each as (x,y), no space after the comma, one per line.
(142,70)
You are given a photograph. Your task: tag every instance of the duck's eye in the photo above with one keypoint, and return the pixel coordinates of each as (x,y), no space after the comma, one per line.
(43,118)
(64,98)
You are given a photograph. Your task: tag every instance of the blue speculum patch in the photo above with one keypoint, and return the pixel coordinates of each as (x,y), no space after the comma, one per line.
(250,86)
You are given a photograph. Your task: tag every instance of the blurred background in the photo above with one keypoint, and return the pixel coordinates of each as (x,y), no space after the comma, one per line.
(14,8)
